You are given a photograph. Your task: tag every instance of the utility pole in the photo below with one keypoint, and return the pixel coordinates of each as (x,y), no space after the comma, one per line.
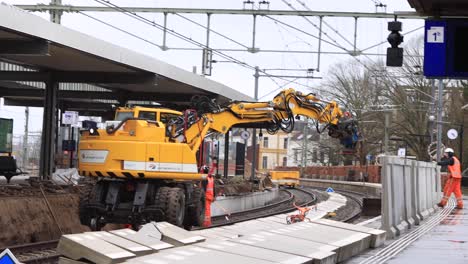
(433,94)
(254,132)
(304,149)
(387,125)
(439,118)
(25,137)
(56,15)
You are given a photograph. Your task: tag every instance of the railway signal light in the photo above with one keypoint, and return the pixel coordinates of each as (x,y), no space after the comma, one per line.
(395,54)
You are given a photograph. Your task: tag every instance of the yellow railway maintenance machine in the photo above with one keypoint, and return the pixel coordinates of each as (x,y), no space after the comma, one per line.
(285,178)
(146,163)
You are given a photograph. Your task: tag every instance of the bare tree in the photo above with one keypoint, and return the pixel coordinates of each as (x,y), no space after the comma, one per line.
(410,94)
(357,88)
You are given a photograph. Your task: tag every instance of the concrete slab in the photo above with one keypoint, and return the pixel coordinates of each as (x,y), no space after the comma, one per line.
(321,253)
(85,246)
(148,239)
(250,227)
(254,252)
(378,236)
(269,220)
(281,220)
(193,254)
(173,234)
(215,234)
(349,243)
(121,242)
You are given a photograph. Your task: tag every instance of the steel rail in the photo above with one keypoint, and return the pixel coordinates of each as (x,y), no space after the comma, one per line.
(259,210)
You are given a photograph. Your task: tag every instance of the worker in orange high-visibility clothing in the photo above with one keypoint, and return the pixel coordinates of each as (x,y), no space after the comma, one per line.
(454,178)
(209,186)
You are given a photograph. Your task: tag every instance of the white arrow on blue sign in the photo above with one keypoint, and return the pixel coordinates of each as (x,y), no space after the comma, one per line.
(330,190)
(7,257)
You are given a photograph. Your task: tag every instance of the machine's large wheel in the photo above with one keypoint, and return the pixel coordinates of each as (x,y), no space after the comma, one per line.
(196,214)
(175,206)
(161,200)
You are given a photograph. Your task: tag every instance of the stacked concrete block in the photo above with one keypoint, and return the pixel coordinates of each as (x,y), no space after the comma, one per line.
(91,248)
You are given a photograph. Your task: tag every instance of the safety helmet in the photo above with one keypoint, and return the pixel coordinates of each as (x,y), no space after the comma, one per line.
(449,150)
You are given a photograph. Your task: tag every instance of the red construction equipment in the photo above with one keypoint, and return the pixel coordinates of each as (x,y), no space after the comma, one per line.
(300,217)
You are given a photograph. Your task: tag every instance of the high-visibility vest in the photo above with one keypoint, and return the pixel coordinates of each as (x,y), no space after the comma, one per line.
(209,192)
(455,169)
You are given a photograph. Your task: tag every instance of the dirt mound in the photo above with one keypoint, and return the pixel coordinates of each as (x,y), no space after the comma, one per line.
(29,219)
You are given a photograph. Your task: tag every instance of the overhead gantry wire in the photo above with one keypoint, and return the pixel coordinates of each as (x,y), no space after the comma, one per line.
(119,29)
(385,41)
(313,24)
(328,42)
(187,39)
(211,30)
(327,24)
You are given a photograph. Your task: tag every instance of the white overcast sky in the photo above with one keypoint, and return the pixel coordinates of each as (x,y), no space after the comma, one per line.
(270,36)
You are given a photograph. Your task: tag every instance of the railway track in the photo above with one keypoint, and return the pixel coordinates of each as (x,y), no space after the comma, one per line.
(42,252)
(302,197)
(353,206)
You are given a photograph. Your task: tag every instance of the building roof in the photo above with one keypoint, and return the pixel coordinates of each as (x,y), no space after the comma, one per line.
(440,7)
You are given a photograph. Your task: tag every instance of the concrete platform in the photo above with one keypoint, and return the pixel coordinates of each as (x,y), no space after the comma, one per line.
(348,243)
(377,236)
(215,234)
(254,252)
(150,239)
(79,246)
(446,243)
(194,254)
(319,252)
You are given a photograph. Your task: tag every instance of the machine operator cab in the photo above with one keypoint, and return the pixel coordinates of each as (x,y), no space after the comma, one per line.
(162,115)
(159,117)
(135,122)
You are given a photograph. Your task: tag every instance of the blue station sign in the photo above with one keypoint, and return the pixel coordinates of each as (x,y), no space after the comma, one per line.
(446,49)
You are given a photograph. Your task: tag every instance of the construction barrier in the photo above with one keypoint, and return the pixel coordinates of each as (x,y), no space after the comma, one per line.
(411,190)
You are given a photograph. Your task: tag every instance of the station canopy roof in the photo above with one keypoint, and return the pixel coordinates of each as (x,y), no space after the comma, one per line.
(93,74)
(440,7)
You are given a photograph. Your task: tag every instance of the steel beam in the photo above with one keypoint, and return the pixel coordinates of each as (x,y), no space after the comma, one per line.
(73,9)
(79,77)
(24,47)
(63,95)
(47,159)
(226,155)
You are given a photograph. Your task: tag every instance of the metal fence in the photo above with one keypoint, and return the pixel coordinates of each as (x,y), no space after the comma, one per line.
(410,190)
(28,155)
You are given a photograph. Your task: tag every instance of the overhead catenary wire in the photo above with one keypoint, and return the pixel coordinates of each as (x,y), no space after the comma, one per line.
(185,38)
(213,31)
(385,41)
(327,24)
(119,29)
(328,42)
(312,23)
(325,34)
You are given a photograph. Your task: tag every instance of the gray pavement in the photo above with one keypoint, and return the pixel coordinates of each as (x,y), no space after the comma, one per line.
(446,243)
